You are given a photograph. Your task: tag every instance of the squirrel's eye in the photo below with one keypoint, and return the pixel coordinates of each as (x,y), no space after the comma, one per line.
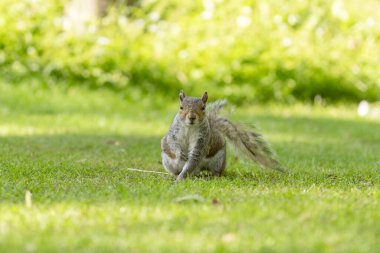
(203,108)
(181,107)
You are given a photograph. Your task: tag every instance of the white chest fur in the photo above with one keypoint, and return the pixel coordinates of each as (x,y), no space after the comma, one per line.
(188,138)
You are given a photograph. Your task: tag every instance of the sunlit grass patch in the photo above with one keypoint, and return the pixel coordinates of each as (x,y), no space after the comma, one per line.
(74,160)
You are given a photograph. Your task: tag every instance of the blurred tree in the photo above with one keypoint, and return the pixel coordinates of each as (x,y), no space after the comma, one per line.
(96,8)
(80,12)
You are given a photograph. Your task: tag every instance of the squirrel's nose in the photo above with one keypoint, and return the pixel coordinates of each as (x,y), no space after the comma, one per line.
(192,118)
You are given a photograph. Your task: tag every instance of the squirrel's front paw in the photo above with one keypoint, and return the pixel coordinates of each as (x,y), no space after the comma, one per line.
(179,178)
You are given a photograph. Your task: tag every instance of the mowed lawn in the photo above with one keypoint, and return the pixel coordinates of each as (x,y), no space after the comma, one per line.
(72,149)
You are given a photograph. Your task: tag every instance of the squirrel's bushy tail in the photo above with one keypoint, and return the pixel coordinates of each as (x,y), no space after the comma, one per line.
(247,141)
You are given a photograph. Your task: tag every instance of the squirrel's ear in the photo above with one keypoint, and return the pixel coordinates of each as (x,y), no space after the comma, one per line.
(182,95)
(205,97)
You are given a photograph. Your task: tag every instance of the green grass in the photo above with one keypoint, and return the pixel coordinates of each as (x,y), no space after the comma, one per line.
(71,149)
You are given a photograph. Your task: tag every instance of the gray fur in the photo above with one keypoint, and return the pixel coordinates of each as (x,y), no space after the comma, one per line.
(202,146)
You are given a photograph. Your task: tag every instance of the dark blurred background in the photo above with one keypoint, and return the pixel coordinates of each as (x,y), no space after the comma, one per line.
(262,50)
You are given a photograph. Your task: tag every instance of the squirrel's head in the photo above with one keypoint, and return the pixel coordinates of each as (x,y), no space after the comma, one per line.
(192,110)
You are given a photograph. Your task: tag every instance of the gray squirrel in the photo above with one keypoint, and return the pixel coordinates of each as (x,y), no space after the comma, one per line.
(196,140)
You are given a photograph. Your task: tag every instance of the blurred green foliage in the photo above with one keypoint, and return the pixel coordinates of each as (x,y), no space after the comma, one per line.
(258,50)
